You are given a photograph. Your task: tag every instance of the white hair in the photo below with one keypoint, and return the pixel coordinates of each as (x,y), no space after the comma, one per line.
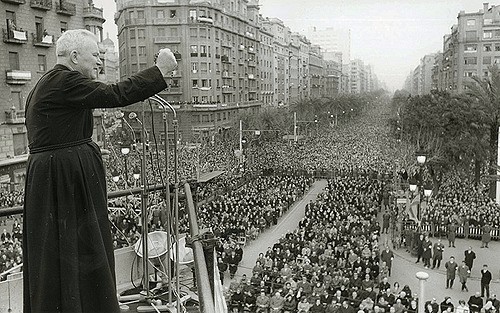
(72,40)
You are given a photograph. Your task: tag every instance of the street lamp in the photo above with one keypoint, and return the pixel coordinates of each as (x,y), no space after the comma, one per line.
(125,149)
(417,182)
(115,175)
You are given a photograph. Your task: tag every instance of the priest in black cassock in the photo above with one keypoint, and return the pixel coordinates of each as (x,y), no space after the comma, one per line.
(68,252)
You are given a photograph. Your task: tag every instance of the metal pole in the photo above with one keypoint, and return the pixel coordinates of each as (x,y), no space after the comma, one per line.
(144,215)
(294,127)
(422,277)
(207,304)
(176,215)
(241,138)
(168,222)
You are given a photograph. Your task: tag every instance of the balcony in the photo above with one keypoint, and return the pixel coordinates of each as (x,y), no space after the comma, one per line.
(252,63)
(226,74)
(93,13)
(224,59)
(14,1)
(249,34)
(15,36)
(65,8)
(227,44)
(174,90)
(135,21)
(166,39)
(251,76)
(205,19)
(227,89)
(217,56)
(241,61)
(45,5)
(17,77)
(241,47)
(14,116)
(176,73)
(251,50)
(45,41)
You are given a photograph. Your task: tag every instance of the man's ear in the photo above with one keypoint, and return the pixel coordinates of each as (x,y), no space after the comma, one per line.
(73,56)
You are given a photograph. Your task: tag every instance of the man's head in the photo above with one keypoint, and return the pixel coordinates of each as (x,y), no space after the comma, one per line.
(77,49)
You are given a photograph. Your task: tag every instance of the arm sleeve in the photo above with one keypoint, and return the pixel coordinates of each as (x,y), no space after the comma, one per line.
(82,92)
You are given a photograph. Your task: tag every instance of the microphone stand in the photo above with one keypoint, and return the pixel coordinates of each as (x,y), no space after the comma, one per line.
(164,104)
(144,217)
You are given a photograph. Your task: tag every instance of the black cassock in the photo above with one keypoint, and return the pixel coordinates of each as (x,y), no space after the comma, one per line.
(67,247)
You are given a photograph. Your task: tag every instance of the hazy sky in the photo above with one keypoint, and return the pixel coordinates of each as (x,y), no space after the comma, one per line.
(392,35)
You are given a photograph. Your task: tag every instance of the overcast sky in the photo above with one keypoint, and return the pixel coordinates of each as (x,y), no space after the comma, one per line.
(392,35)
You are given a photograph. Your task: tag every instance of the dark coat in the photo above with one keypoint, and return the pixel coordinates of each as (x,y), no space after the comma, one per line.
(68,252)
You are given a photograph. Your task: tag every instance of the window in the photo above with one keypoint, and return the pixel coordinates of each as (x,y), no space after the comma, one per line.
(17,100)
(486,60)
(19,141)
(14,60)
(193,32)
(63,26)
(470,48)
(496,60)
(487,48)
(487,34)
(205,118)
(161,31)
(194,67)
(175,83)
(141,33)
(131,14)
(140,14)
(42,63)
(497,47)
(142,50)
(471,22)
(192,15)
(204,83)
(132,33)
(203,51)
(203,32)
(193,49)
(488,21)
(469,73)
(174,32)
(203,68)
(471,35)
(470,60)
(39,30)
(173,13)
(160,14)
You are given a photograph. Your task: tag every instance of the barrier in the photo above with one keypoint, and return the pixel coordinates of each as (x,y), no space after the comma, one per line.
(462,231)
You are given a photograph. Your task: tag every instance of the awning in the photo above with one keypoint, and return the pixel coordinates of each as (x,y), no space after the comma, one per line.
(206,177)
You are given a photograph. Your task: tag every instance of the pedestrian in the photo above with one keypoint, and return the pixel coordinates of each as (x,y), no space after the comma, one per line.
(67,244)
(387,256)
(463,274)
(420,247)
(451,269)
(386,218)
(222,266)
(427,253)
(452,233)
(475,303)
(469,257)
(485,236)
(233,260)
(485,281)
(462,307)
(437,254)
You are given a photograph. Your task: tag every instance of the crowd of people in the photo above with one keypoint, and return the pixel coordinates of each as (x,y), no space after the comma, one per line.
(11,252)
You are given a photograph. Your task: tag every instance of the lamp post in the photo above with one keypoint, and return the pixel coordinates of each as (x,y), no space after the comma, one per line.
(125,150)
(417,183)
(422,277)
(137,175)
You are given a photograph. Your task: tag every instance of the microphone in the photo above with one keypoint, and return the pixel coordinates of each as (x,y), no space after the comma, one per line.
(132,116)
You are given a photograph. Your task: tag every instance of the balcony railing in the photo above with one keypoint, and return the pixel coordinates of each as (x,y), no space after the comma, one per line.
(176,73)
(15,36)
(166,39)
(65,8)
(14,117)
(174,90)
(251,50)
(41,4)
(205,19)
(93,13)
(43,41)
(226,74)
(14,1)
(252,63)
(251,76)
(227,89)
(17,77)
(225,59)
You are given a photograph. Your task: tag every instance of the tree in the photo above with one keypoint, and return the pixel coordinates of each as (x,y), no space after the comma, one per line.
(485,93)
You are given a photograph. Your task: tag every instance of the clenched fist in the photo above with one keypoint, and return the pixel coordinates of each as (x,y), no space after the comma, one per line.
(165,61)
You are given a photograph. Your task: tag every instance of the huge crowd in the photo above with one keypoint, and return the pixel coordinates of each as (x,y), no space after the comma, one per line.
(333,262)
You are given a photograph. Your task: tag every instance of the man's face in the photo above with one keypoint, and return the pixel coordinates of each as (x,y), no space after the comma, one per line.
(88,61)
